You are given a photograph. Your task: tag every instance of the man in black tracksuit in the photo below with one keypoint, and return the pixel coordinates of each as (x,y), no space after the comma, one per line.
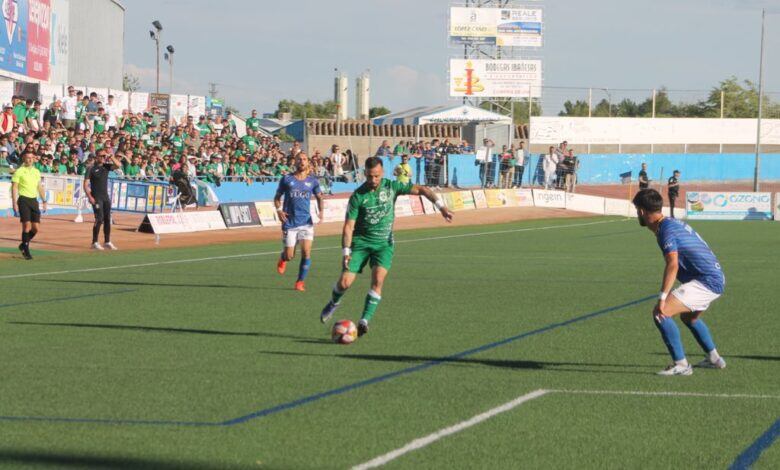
(96,189)
(673,190)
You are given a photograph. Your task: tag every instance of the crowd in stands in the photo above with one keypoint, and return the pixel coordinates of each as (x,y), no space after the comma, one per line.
(65,136)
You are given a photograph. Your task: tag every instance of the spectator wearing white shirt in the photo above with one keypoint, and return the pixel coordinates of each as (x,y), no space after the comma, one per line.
(549,166)
(337,160)
(69,104)
(521,157)
(111,112)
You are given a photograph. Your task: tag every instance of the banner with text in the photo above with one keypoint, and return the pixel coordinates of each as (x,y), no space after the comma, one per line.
(495,78)
(709,205)
(239,214)
(506,27)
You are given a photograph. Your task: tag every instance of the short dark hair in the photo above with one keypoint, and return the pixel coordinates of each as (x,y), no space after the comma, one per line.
(648,199)
(373,162)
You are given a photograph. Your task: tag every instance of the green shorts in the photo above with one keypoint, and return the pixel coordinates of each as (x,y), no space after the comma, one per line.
(377,254)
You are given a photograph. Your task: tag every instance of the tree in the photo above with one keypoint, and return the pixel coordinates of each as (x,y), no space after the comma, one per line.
(307,109)
(377,111)
(130,82)
(520,109)
(577,109)
(233,110)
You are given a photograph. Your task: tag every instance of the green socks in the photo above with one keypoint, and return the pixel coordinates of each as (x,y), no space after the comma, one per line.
(372,302)
(336,295)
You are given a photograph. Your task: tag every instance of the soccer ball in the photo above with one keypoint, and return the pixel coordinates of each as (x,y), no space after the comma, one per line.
(344,332)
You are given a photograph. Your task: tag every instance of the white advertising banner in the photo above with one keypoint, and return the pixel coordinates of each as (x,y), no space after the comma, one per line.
(585,203)
(507,27)
(553,199)
(605,130)
(267,213)
(48,93)
(619,207)
(121,100)
(710,205)
(139,101)
(403,207)
(178,109)
(183,222)
(335,210)
(5,196)
(196,106)
(495,78)
(102,94)
(480,200)
(525,197)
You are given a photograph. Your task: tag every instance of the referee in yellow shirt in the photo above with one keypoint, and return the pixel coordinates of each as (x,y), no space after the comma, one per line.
(26,186)
(403,172)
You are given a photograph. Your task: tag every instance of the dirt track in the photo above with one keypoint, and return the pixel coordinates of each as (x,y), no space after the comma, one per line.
(60,233)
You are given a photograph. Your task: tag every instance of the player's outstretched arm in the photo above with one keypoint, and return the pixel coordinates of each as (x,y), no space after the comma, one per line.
(431,196)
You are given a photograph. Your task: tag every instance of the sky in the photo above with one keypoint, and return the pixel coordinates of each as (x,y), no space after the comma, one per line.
(260,51)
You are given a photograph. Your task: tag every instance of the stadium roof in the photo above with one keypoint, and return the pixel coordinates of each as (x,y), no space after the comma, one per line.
(447,114)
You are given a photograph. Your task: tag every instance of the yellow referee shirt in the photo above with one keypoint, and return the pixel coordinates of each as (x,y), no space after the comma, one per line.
(27,178)
(405,175)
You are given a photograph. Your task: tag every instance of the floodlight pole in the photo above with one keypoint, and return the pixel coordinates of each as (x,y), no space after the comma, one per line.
(756,183)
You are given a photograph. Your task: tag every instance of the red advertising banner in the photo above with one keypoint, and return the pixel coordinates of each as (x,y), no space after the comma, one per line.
(38,39)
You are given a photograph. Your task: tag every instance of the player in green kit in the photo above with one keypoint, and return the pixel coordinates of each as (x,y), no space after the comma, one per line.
(367,237)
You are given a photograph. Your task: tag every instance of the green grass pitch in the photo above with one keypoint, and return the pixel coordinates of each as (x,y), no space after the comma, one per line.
(218,363)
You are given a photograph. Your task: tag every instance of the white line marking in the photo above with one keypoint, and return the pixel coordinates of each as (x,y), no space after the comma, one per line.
(666,394)
(276,252)
(431,438)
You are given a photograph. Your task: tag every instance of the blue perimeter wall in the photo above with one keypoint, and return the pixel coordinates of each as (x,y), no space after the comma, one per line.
(606,168)
(594,169)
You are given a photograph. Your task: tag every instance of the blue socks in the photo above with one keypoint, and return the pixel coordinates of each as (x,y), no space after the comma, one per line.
(702,334)
(303,269)
(671,335)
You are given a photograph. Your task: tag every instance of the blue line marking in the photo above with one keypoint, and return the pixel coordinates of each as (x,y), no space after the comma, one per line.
(336,391)
(73,297)
(750,455)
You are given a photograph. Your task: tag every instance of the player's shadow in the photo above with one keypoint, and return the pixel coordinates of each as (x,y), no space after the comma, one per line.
(468,361)
(160,284)
(751,357)
(47,459)
(156,329)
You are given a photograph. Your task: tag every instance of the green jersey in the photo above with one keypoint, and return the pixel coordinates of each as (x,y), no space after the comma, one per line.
(81,112)
(20,111)
(374,210)
(204,129)
(250,142)
(253,123)
(100,124)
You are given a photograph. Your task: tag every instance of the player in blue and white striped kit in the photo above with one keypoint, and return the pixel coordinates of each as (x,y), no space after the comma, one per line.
(691,261)
(297,222)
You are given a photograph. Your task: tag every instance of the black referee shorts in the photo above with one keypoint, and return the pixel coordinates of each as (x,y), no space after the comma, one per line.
(102,209)
(28,209)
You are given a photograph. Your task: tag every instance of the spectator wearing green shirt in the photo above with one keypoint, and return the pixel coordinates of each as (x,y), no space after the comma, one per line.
(253,123)
(32,119)
(19,109)
(99,122)
(82,113)
(204,128)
